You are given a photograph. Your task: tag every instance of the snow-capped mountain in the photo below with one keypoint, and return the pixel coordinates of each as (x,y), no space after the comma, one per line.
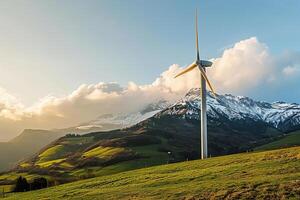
(113,121)
(280,115)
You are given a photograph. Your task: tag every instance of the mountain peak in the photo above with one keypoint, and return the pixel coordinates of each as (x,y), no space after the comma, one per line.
(281,115)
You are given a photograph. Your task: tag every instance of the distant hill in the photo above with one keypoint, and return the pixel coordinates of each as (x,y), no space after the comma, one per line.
(24,145)
(35,137)
(264,175)
(30,141)
(283,141)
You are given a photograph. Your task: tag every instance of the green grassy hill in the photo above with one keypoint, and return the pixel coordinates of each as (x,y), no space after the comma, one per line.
(288,140)
(29,142)
(263,175)
(77,157)
(147,143)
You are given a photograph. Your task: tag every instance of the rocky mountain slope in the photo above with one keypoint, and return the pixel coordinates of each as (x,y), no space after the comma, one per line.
(281,115)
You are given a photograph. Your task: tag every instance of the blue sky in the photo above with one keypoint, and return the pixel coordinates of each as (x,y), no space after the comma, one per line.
(51,47)
(54,54)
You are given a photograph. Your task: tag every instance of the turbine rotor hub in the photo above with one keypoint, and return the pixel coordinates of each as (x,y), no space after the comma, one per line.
(204,63)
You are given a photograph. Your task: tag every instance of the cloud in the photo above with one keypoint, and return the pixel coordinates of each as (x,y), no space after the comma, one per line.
(9,106)
(84,104)
(241,69)
(290,70)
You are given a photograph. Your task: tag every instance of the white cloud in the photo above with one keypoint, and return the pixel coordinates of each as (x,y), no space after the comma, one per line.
(84,104)
(290,70)
(9,106)
(240,68)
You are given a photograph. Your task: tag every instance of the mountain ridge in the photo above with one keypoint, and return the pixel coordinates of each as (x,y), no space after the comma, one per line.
(235,124)
(281,115)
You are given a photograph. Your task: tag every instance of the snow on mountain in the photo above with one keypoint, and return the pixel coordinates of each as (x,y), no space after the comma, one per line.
(125,120)
(281,115)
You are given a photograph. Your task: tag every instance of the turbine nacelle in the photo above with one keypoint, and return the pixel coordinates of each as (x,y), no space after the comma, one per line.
(204,63)
(201,67)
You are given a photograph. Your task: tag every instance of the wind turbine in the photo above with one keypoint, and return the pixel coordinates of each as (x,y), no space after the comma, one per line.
(201,64)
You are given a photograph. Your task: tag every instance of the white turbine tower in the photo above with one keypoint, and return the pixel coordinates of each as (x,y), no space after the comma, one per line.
(201,64)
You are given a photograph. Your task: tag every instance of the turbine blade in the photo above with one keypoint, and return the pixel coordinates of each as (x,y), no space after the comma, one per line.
(203,73)
(197,42)
(189,68)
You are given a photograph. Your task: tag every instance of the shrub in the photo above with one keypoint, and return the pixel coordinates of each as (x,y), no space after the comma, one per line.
(21,185)
(38,183)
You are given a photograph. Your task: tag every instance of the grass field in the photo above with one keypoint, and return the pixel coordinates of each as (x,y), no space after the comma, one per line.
(259,175)
(14,176)
(51,153)
(103,152)
(290,140)
(5,188)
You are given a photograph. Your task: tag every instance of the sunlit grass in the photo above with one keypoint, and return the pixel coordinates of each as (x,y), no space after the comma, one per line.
(51,153)
(25,165)
(103,152)
(5,188)
(50,163)
(66,165)
(263,175)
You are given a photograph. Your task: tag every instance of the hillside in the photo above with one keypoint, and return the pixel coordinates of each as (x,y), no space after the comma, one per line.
(174,129)
(287,140)
(235,124)
(30,141)
(146,144)
(24,145)
(264,175)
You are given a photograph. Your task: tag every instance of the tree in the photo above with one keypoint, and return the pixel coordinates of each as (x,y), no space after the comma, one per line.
(21,185)
(38,183)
